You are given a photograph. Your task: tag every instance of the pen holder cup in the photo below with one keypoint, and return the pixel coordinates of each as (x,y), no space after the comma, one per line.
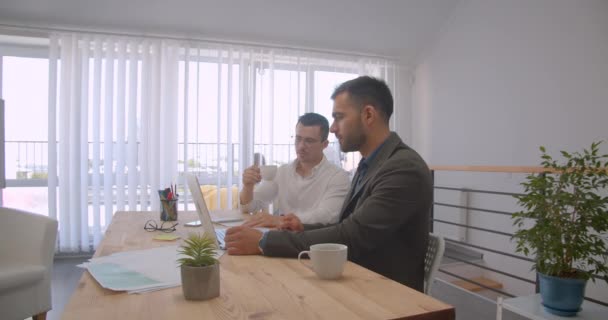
(169,210)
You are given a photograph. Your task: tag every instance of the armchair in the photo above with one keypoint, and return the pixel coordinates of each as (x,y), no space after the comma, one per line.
(27,246)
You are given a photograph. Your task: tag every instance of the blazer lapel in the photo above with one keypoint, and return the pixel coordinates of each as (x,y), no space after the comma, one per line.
(352,196)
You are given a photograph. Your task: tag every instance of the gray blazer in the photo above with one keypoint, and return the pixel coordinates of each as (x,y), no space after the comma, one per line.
(384,223)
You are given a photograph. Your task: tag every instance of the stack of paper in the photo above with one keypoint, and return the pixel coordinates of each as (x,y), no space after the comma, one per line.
(138,271)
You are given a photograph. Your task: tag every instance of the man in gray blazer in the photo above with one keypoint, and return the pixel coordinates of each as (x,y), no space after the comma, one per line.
(385,216)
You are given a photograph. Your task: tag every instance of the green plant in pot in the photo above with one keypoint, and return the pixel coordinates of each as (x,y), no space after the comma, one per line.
(562,223)
(200,270)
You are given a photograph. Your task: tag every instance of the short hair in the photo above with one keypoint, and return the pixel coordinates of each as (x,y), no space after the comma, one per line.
(366,90)
(314,119)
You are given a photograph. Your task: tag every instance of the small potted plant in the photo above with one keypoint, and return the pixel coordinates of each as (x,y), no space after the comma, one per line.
(200,270)
(563,220)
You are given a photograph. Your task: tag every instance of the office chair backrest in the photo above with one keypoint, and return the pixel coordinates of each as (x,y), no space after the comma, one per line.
(434,253)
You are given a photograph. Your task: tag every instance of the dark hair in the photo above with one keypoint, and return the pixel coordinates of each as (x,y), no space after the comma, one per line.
(366,90)
(314,119)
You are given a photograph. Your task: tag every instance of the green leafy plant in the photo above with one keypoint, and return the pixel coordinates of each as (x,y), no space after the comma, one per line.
(198,251)
(568,203)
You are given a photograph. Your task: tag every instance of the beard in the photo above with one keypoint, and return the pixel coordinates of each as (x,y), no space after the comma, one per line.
(354,140)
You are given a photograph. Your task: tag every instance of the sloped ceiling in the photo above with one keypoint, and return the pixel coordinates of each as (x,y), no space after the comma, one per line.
(400,29)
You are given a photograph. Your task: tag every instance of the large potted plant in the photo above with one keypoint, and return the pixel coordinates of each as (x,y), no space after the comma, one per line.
(563,220)
(200,270)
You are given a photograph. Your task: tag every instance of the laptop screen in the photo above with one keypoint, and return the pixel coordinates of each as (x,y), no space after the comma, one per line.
(201,207)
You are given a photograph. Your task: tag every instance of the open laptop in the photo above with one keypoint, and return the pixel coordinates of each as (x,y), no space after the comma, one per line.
(203,212)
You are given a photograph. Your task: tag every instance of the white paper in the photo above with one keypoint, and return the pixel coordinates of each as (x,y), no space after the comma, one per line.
(138,271)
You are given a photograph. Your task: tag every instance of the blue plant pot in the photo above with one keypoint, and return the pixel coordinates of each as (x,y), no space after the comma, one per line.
(561,296)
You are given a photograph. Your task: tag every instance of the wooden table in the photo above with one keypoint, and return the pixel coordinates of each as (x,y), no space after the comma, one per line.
(252,287)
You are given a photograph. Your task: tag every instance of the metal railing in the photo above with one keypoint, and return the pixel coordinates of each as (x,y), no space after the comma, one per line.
(28,160)
(209,161)
(467,226)
(27,174)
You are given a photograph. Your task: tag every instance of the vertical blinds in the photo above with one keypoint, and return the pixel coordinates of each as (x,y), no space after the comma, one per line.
(129,116)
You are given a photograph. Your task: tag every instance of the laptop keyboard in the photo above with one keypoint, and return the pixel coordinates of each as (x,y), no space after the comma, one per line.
(220,234)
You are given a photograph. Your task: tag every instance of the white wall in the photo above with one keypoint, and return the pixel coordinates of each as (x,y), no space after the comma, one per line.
(503,78)
(507,76)
(402,96)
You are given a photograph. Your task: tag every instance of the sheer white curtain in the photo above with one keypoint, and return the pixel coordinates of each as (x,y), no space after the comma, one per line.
(112,130)
(129,116)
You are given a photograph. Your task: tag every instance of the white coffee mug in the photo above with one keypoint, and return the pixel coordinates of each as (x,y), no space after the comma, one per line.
(268,172)
(328,259)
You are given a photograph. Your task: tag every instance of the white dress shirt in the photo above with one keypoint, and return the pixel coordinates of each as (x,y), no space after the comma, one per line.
(317,198)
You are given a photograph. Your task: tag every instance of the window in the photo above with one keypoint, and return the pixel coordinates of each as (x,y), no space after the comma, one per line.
(204,116)
(134,114)
(24,88)
(325,83)
(280,98)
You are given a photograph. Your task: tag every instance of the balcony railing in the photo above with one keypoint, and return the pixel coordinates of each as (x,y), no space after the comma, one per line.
(490,231)
(27,172)
(27,161)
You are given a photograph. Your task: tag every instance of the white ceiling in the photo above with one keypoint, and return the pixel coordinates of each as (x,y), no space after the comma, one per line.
(402,29)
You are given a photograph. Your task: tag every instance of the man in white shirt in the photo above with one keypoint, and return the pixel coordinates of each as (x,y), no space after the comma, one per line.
(310,187)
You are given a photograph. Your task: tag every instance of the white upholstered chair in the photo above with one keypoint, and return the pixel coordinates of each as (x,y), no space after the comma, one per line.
(27,246)
(434,253)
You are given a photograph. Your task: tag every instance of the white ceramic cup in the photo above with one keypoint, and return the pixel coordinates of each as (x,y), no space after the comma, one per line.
(268,172)
(328,259)
(267,189)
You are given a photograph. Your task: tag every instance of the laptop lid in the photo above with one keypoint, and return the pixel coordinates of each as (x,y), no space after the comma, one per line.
(201,207)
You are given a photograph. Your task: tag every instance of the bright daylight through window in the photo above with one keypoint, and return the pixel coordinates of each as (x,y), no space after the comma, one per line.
(131,115)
